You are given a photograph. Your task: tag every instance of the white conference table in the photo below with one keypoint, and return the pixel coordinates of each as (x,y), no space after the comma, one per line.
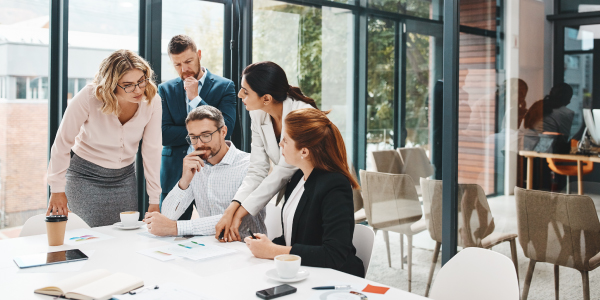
(235,276)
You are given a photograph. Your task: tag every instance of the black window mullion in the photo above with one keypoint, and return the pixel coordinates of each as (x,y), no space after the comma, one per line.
(58,68)
(360,97)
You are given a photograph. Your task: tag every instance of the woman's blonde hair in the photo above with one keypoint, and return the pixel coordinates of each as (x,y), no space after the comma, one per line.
(112,70)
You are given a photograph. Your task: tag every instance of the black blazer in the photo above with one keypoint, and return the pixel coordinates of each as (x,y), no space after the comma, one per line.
(324,223)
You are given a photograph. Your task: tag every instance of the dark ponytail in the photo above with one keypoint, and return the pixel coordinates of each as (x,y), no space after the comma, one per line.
(269,78)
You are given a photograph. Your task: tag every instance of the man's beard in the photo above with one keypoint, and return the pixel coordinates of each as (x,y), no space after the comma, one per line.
(188,74)
(208,154)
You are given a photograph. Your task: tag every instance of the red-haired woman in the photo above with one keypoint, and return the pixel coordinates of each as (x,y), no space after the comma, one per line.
(318,213)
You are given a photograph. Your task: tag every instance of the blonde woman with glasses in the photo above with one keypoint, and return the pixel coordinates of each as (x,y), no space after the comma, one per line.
(92,161)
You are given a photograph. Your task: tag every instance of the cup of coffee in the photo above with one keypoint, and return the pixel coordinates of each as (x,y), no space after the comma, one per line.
(55,227)
(130,218)
(287,265)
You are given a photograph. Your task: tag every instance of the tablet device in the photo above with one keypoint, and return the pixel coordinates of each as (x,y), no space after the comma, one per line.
(42,259)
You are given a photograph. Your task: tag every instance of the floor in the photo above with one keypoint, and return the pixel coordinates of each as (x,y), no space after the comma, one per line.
(504,212)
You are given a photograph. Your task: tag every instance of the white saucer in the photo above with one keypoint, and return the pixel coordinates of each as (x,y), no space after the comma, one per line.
(302,274)
(136,226)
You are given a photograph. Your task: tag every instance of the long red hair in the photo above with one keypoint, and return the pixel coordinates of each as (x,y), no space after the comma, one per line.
(311,129)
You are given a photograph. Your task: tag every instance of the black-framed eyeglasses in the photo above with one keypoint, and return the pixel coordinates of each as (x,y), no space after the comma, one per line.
(131,87)
(205,138)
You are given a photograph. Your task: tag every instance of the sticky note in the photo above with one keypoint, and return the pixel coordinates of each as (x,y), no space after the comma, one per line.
(375,289)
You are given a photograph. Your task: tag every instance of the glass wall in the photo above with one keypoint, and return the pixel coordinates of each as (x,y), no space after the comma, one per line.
(24,38)
(96,29)
(427,9)
(201,20)
(315,47)
(381,69)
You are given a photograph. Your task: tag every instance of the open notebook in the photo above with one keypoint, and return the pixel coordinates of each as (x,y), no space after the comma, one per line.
(98,284)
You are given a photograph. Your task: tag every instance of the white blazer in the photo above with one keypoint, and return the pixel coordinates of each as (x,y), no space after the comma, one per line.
(259,187)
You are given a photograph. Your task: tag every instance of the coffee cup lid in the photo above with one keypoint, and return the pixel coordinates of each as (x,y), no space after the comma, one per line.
(56,218)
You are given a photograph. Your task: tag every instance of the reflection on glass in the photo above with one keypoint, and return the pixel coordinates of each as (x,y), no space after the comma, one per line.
(314,46)
(203,22)
(96,29)
(477,112)
(23,106)
(428,9)
(380,86)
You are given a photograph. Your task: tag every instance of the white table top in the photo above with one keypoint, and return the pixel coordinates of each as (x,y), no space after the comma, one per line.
(235,276)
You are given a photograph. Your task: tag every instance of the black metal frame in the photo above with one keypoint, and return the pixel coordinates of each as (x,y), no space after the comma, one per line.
(450,140)
(57,79)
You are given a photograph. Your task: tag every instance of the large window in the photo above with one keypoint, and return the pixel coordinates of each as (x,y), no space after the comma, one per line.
(315,48)
(201,20)
(380,86)
(96,29)
(24,52)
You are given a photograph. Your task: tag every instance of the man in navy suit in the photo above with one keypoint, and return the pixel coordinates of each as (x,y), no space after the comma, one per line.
(196,86)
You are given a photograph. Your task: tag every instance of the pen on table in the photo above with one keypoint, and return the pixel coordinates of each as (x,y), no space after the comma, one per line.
(251,234)
(332,287)
(221,234)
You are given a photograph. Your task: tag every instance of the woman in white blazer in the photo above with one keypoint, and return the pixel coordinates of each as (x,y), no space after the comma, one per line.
(268,97)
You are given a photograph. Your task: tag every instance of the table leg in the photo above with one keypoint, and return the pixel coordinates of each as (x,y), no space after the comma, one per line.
(579,180)
(529,172)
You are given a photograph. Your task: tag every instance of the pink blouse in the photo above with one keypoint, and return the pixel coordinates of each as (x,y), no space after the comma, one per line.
(102,139)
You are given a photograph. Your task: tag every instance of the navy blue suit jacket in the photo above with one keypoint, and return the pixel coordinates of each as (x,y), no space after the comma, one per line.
(216,91)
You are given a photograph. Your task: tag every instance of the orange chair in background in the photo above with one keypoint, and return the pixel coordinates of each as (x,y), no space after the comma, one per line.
(569,168)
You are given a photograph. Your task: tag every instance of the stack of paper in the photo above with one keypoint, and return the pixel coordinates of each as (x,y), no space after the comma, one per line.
(191,249)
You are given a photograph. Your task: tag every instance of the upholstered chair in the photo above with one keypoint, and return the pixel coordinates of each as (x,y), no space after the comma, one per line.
(559,229)
(475,222)
(416,164)
(392,204)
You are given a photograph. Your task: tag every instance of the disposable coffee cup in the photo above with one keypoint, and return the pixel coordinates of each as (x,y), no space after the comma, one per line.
(287,265)
(130,218)
(55,227)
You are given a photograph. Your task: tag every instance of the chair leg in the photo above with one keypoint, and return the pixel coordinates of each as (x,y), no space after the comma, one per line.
(409,262)
(586,285)
(513,253)
(556,280)
(436,253)
(568,184)
(402,252)
(528,279)
(386,238)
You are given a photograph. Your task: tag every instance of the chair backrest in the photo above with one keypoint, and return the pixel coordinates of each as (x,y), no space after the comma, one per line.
(363,240)
(475,221)
(474,274)
(273,221)
(37,225)
(390,199)
(416,163)
(557,228)
(356,193)
(387,161)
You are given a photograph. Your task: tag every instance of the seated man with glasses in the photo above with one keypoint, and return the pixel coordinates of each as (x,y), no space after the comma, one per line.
(211,176)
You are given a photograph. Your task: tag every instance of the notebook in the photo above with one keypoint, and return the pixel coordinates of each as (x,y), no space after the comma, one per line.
(98,284)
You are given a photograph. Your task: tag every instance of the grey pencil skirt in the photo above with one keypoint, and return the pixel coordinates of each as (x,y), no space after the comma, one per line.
(98,195)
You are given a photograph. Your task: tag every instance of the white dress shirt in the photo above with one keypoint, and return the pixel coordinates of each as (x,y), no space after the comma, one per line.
(212,187)
(191,104)
(289,210)
(260,186)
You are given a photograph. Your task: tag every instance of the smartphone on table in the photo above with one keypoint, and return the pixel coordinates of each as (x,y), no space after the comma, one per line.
(274,292)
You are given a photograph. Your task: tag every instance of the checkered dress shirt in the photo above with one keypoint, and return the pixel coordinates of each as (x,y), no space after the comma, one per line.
(213,189)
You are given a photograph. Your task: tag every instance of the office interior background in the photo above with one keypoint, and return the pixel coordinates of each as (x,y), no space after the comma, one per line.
(378,65)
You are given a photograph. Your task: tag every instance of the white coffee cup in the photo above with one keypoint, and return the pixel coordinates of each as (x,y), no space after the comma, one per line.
(129,218)
(287,265)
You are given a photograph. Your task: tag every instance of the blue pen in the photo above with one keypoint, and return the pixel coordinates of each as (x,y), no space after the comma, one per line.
(332,287)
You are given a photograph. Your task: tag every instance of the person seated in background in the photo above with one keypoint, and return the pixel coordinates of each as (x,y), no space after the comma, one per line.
(211,176)
(318,212)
